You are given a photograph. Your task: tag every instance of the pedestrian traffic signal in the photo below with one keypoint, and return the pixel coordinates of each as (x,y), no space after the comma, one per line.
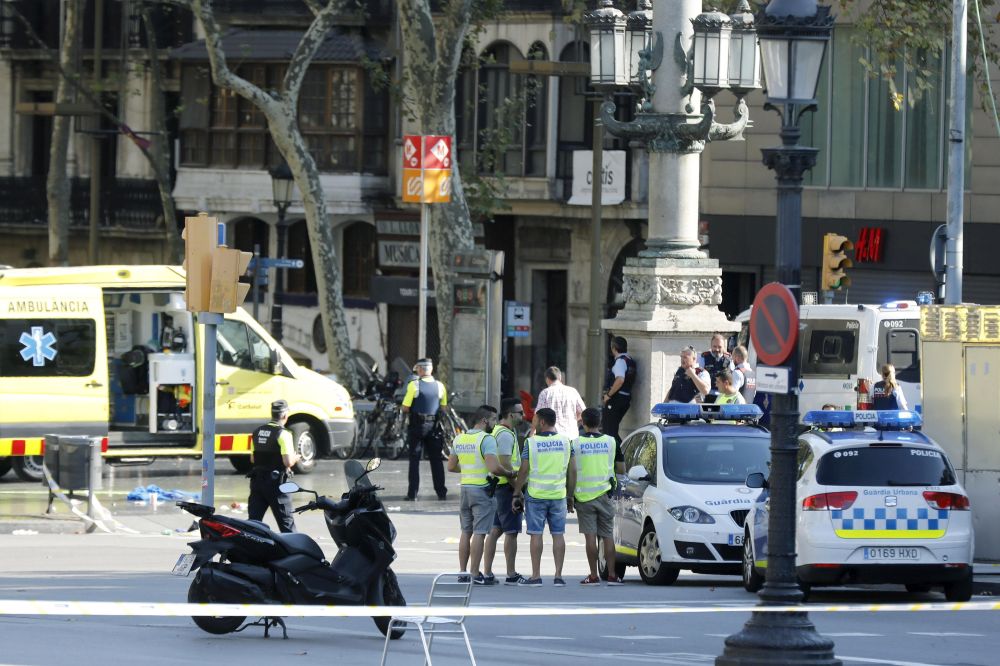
(835,261)
(200,240)
(227,290)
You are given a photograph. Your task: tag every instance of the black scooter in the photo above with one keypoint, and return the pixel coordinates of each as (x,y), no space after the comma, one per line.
(258,566)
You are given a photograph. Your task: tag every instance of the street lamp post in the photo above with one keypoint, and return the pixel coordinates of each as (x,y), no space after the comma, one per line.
(282,186)
(610,45)
(793,38)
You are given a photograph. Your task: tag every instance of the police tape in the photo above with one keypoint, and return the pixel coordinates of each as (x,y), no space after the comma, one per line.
(146,609)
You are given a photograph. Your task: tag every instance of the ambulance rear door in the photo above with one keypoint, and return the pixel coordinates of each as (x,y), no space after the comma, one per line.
(53,365)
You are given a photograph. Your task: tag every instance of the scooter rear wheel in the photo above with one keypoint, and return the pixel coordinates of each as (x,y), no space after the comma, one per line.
(391,596)
(213,625)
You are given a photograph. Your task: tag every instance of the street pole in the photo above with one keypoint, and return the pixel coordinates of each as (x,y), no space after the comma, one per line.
(256,281)
(594,332)
(210,320)
(95,143)
(279,277)
(787,638)
(422,290)
(956,155)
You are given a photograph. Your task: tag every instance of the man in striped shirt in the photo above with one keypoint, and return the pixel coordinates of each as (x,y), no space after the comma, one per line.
(564,400)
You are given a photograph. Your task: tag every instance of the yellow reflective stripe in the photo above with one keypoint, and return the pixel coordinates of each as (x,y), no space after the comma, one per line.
(472,464)
(411,393)
(890,534)
(625,550)
(761,564)
(26,446)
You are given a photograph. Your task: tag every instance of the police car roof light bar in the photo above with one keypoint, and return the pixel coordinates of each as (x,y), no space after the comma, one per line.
(735,413)
(677,411)
(882,419)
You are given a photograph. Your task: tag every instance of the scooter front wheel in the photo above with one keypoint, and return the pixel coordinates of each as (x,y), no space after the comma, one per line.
(216,624)
(391,596)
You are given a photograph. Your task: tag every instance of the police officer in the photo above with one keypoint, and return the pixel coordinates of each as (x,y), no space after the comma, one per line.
(547,472)
(746,381)
(716,359)
(506,521)
(598,462)
(474,456)
(424,397)
(273,455)
(618,388)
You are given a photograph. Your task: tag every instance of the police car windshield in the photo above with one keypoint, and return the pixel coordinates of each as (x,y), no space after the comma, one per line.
(714,459)
(884,466)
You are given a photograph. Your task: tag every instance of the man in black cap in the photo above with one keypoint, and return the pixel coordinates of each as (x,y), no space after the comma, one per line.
(424,397)
(272,455)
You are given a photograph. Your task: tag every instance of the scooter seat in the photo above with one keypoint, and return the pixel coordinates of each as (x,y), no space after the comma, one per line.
(301,544)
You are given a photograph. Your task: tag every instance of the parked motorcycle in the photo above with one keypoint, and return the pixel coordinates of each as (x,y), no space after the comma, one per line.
(258,566)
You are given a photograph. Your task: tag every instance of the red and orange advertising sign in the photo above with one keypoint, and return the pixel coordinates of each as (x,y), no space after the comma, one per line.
(427,162)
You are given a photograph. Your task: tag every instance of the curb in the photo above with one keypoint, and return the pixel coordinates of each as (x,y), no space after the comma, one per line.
(13,525)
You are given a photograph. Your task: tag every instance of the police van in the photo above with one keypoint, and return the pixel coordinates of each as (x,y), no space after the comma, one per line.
(843,348)
(683,501)
(877,502)
(112,352)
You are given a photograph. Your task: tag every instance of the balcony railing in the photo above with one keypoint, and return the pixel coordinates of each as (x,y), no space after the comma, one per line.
(126,203)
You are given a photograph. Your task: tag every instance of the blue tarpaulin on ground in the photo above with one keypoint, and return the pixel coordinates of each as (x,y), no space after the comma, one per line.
(144,494)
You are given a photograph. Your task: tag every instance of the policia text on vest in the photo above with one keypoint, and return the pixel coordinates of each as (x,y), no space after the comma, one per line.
(273,456)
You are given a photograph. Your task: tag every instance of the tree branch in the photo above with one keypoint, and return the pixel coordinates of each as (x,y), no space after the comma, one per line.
(451,38)
(221,74)
(306,51)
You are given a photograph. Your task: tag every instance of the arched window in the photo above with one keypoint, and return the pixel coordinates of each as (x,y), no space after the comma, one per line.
(501,117)
(358,252)
(302,280)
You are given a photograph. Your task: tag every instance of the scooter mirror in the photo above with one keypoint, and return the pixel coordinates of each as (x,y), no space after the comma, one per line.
(373,464)
(289,487)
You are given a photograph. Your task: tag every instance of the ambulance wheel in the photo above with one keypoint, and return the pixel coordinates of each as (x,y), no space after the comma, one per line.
(602,564)
(4,466)
(752,580)
(305,446)
(651,567)
(960,590)
(28,468)
(241,464)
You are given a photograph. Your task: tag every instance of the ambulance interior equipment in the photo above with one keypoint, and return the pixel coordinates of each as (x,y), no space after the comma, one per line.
(151,361)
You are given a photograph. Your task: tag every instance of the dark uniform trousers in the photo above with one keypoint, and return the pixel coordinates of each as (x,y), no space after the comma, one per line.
(613,413)
(421,435)
(264,494)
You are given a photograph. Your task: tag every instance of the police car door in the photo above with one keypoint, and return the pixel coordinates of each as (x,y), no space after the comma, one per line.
(639,449)
(53,366)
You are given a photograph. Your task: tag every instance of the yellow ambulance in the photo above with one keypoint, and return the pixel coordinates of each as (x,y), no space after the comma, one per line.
(111,352)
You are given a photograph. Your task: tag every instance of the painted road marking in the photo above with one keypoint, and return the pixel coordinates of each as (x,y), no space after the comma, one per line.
(887,662)
(851,634)
(943,634)
(641,638)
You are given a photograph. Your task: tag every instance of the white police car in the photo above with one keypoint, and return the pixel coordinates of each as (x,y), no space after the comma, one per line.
(878,504)
(684,500)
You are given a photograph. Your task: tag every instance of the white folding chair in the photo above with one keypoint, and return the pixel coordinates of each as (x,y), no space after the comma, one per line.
(448,589)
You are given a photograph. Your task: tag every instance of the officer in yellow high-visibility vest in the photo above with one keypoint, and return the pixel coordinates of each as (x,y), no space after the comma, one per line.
(546,469)
(506,521)
(597,462)
(474,456)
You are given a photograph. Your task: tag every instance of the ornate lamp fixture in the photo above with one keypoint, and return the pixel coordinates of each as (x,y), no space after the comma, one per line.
(639,38)
(608,54)
(744,56)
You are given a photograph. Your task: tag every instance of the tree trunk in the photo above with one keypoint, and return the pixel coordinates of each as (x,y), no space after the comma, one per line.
(158,154)
(58,186)
(432,53)
(281,111)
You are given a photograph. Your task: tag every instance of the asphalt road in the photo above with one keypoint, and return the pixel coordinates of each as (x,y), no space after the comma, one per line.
(123,567)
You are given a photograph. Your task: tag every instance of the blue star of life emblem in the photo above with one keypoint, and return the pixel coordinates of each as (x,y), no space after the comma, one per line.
(38,346)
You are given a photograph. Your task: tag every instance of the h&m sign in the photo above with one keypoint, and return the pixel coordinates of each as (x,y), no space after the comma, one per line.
(869,246)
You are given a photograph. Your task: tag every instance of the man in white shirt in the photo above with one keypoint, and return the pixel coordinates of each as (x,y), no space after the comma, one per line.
(564,400)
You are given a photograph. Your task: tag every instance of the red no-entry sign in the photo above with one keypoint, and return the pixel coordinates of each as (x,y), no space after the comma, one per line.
(774,324)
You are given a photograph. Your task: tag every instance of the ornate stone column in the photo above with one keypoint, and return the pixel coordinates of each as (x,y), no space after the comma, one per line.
(672,290)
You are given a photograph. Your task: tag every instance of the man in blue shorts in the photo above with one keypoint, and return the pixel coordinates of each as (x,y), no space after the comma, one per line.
(546,470)
(506,521)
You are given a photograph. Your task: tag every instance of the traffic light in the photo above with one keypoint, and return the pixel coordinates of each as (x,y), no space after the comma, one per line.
(835,249)
(227,290)
(200,241)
